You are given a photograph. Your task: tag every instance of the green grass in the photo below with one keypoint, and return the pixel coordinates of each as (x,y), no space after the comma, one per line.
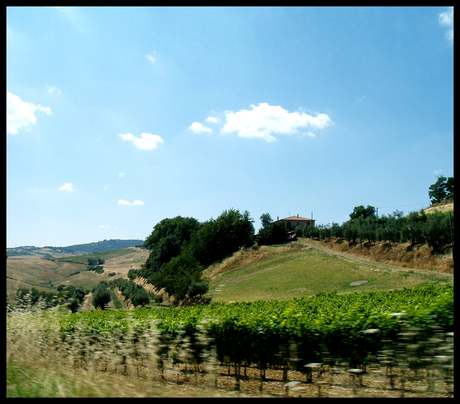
(293,273)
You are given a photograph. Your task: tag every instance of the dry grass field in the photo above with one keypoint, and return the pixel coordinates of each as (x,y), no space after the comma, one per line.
(25,272)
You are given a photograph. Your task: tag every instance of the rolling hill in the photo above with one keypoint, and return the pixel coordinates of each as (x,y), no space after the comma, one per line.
(76,249)
(49,273)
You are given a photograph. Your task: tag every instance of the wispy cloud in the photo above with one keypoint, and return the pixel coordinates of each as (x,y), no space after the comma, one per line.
(151,58)
(197,127)
(67,186)
(265,120)
(446,19)
(122,202)
(52,89)
(121,175)
(147,141)
(21,114)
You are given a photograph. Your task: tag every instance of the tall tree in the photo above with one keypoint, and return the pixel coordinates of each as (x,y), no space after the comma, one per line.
(442,189)
(266,220)
(362,212)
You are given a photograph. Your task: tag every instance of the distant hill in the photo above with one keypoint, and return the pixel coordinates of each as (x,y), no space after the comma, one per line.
(76,249)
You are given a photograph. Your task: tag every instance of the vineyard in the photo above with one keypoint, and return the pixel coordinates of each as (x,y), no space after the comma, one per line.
(403,335)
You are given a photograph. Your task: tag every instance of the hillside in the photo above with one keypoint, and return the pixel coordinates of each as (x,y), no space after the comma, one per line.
(48,274)
(76,249)
(444,206)
(305,268)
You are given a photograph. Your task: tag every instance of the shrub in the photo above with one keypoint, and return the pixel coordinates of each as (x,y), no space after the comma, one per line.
(198,289)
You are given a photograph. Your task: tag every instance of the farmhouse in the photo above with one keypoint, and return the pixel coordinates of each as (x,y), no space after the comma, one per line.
(293,221)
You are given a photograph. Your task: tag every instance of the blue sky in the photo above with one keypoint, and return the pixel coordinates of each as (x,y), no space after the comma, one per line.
(120,117)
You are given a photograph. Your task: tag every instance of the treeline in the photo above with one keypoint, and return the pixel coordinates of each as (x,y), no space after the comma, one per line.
(104,292)
(436,230)
(181,248)
(70,296)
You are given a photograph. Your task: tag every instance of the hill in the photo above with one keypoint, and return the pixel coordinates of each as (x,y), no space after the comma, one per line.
(49,273)
(305,268)
(444,206)
(76,249)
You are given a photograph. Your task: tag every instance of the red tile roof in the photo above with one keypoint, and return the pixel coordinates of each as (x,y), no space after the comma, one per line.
(294,218)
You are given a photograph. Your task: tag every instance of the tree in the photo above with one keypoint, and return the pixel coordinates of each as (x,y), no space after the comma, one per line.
(177,275)
(181,227)
(362,212)
(101,295)
(437,231)
(413,229)
(266,220)
(350,231)
(221,237)
(273,234)
(442,189)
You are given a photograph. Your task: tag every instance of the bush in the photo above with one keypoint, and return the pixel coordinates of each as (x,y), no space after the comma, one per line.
(198,289)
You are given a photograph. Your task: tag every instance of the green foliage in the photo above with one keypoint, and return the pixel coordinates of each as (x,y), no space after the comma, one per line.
(132,291)
(223,236)
(180,227)
(266,219)
(413,229)
(101,295)
(437,231)
(362,212)
(177,275)
(275,233)
(130,274)
(442,189)
(95,261)
(95,268)
(198,289)
(254,332)
(350,231)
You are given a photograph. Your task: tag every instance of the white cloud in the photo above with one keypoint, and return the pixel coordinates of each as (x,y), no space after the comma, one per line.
(122,202)
(21,114)
(147,141)
(197,127)
(264,120)
(67,186)
(104,226)
(105,188)
(153,57)
(212,119)
(311,134)
(121,175)
(446,19)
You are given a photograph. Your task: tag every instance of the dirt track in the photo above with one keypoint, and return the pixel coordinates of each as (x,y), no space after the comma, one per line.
(317,245)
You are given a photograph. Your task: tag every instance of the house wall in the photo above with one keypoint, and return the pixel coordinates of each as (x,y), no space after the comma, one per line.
(292,224)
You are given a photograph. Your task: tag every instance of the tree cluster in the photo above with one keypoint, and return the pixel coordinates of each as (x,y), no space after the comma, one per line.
(132,291)
(437,230)
(180,249)
(66,295)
